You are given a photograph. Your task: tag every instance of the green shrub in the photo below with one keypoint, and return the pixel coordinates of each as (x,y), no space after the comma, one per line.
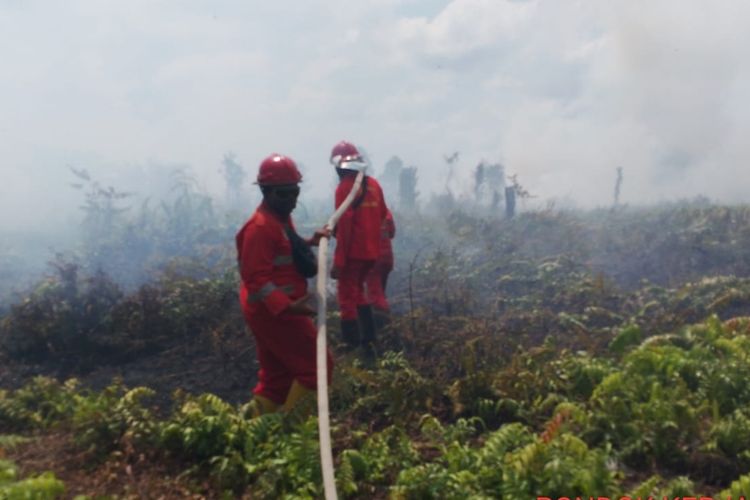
(202,427)
(395,389)
(732,436)
(104,421)
(564,464)
(42,487)
(738,489)
(42,402)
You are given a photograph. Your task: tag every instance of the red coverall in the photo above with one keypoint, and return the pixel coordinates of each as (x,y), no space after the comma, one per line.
(285,343)
(357,243)
(377,278)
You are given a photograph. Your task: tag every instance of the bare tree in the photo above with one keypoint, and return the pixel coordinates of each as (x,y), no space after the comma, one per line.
(515,190)
(391,175)
(450,160)
(234,177)
(618,185)
(408,188)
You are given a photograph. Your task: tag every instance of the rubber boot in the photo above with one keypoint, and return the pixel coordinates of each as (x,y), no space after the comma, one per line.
(260,405)
(300,401)
(382,318)
(350,333)
(367,323)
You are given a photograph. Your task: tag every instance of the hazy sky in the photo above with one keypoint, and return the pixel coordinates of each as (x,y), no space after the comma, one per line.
(561,92)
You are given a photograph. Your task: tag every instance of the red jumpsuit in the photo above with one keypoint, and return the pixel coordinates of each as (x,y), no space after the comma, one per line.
(357,243)
(377,278)
(285,344)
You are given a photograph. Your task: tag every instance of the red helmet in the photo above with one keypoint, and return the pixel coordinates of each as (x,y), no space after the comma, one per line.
(277,170)
(346,155)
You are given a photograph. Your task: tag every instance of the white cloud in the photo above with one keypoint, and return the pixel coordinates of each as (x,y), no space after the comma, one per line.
(462,28)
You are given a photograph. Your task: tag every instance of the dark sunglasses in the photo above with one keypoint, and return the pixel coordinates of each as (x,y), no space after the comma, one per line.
(285,193)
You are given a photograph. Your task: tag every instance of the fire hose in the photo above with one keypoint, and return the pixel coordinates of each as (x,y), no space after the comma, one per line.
(324,423)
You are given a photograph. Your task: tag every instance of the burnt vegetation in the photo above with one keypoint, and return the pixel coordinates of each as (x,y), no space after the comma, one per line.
(600,352)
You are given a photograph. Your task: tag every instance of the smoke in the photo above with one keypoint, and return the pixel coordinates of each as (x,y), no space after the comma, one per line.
(559,93)
(564,93)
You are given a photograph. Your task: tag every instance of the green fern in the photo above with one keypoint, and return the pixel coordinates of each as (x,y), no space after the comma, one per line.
(426,481)
(563,464)
(351,470)
(648,488)
(508,438)
(738,489)
(104,420)
(9,442)
(42,487)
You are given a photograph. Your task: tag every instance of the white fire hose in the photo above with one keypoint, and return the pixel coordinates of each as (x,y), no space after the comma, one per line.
(324,423)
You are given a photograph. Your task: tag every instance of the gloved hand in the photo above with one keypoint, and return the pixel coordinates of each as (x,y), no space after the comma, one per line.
(335,272)
(323,232)
(300,307)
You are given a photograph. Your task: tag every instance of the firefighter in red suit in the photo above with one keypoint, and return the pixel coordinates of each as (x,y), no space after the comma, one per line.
(357,246)
(377,279)
(273,293)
